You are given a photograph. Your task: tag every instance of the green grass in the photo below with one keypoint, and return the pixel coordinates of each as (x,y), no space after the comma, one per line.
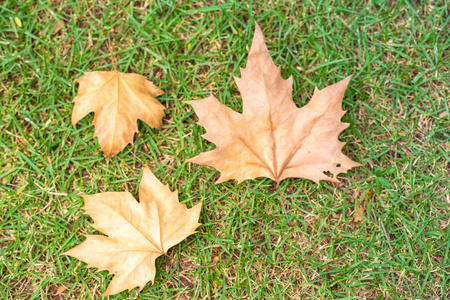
(397,104)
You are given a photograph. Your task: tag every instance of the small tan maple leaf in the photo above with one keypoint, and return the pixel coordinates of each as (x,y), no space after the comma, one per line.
(137,233)
(272,137)
(118,101)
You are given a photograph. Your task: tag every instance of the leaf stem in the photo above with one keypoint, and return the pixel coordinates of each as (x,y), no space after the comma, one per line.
(189,264)
(290,224)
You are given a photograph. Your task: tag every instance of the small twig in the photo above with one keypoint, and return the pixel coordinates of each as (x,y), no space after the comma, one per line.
(387,236)
(290,224)
(189,264)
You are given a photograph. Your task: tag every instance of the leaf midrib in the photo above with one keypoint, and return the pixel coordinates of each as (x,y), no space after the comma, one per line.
(138,230)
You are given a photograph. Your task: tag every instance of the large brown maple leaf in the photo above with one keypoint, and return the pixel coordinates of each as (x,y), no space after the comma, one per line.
(118,101)
(137,233)
(272,137)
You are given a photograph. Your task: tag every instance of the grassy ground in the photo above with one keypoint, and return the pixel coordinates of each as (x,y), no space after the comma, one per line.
(398,107)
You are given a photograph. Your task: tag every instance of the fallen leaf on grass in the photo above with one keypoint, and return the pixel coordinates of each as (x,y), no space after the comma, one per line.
(360,213)
(272,137)
(60,290)
(137,233)
(407,152)
(118,101)
(115,29)
(58,25)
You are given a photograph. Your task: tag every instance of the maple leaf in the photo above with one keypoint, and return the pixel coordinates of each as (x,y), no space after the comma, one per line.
(137,233)
(272,137)
(118,101)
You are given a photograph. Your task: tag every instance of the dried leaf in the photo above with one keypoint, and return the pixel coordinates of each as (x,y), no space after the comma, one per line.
(60,290)
(59,24)
(360,212)
(407,152)
(137,233)
(115,29)
(118,101)
(272,137)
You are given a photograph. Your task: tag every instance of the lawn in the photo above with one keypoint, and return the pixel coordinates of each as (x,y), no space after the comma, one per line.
(397,105)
